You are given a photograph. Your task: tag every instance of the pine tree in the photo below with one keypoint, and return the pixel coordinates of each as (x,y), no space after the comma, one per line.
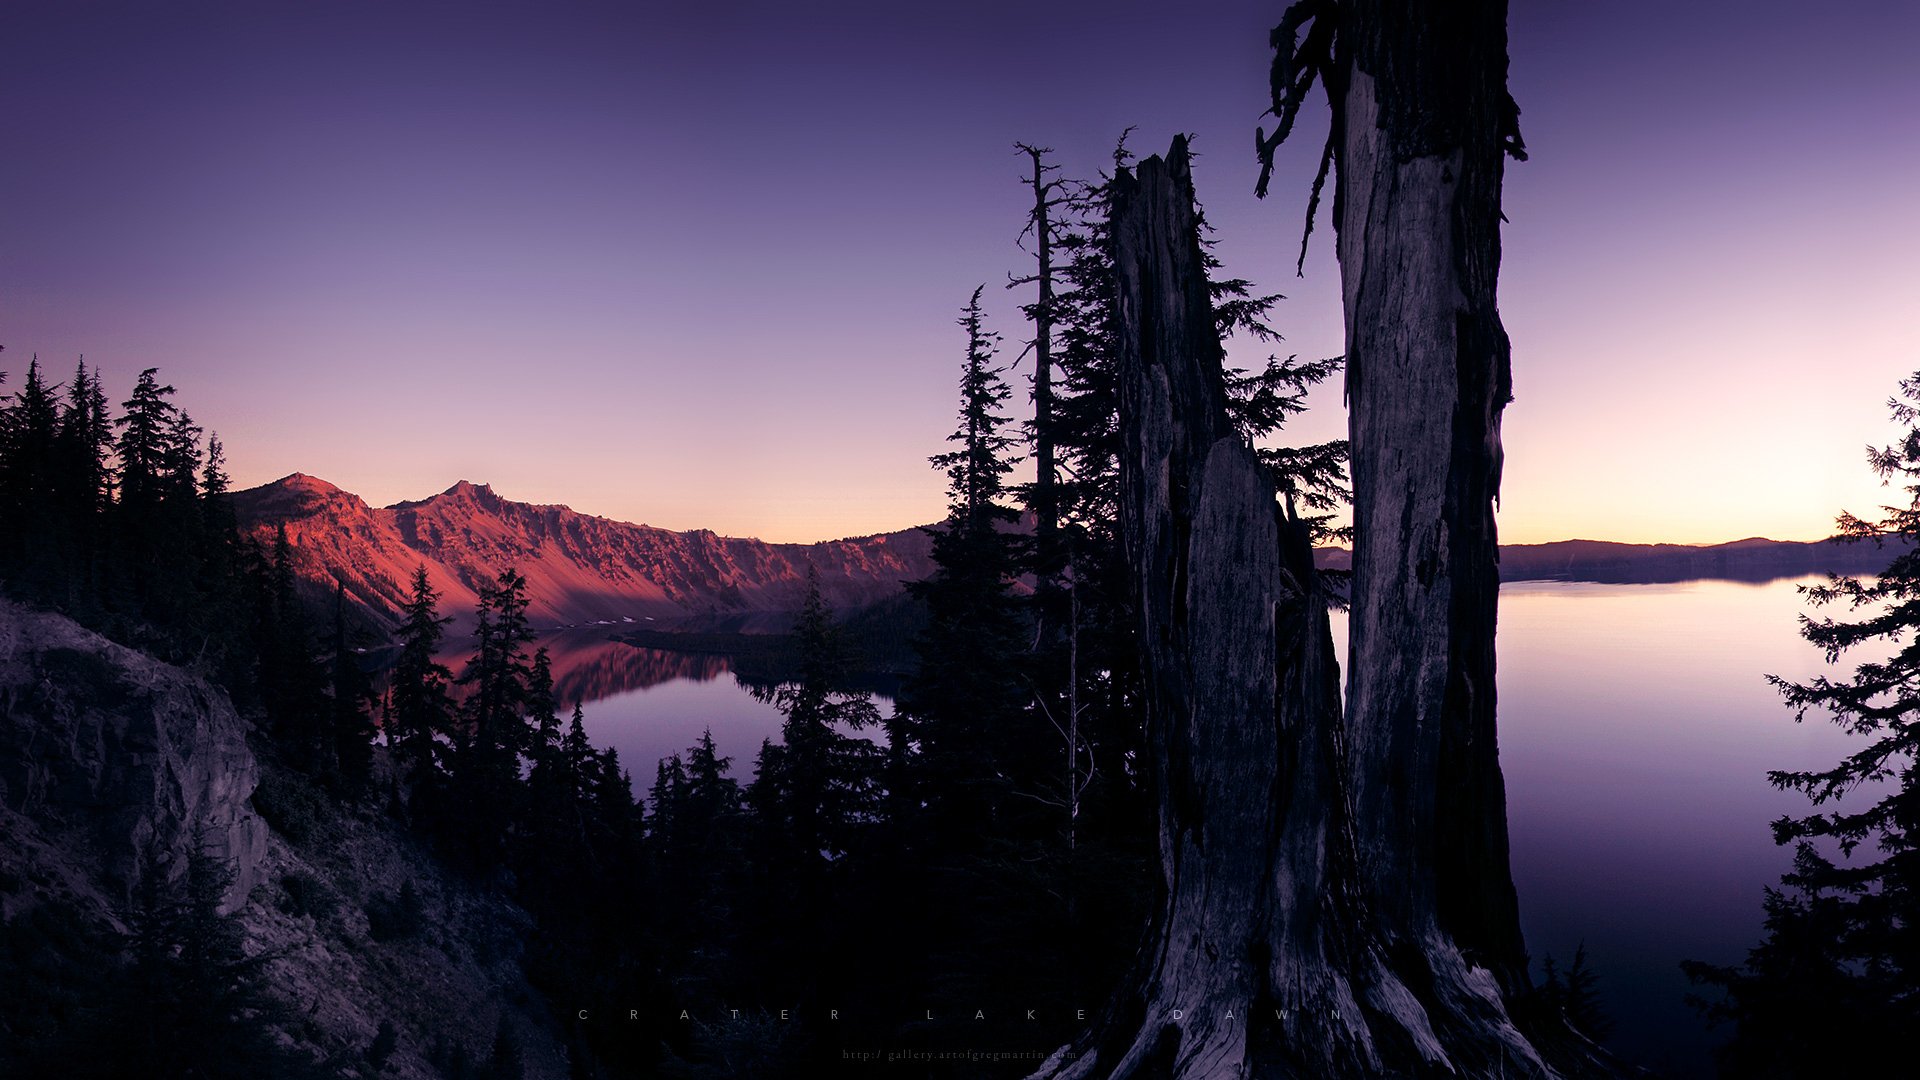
(823,780)
(1089,681)
(213,475)
(712,797)
(419,710)
(291,679)
(499,675)
(192,1003)
(493,732)
(696,846)
(1574,994)
(84,480)
(667,797)
(32,549)
(1836,981)
(220,604)
(1087,404)
(977,469)
(1582,1003)
(965,705)
(543,736)
(157,519)
(180,462)
(610,792)
(554,828)
(351,731)
(87,443)
(1046,229)
(148,422)
(814,801)
(1260,402)
(576,752)
(31,433)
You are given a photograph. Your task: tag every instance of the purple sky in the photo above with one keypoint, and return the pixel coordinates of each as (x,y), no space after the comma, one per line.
(698,265)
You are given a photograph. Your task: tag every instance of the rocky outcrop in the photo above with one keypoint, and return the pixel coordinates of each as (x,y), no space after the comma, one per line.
(115,765)
(360,926)
(120,763)
(580,569)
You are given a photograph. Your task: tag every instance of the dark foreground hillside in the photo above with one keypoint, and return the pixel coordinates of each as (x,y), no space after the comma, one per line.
(166,882)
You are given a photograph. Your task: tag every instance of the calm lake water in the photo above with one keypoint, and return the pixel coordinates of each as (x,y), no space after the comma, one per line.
(1636,732)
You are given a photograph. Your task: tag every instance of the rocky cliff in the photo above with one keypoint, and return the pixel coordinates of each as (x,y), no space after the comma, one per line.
(114,766)
(580,569)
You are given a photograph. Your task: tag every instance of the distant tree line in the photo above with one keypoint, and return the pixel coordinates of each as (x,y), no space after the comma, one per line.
(123,521)
(119,520)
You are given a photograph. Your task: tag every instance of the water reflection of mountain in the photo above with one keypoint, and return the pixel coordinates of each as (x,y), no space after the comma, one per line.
(589,670)
(588,666)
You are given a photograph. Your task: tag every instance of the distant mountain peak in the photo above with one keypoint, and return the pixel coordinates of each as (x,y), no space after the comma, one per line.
(301,482)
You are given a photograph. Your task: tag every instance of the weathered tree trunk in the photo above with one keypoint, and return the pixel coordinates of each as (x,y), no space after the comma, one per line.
(1265,957)
(1418,209)
(1045,501)
(1337,900)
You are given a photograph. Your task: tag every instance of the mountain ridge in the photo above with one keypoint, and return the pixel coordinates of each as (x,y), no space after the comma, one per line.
(581,568)
(584,569)
(1752,559)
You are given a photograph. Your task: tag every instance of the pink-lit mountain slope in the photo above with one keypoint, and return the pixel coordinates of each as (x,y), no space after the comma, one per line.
(580,568)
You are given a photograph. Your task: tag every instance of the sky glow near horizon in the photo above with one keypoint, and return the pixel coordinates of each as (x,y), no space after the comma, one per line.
(700,268)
